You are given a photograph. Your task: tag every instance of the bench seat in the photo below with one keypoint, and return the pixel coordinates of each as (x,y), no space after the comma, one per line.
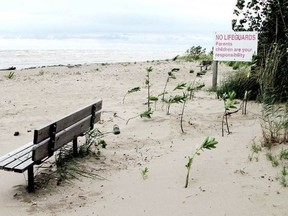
(18,160)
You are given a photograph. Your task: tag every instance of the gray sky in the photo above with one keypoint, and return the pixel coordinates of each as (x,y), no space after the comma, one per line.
(114,19)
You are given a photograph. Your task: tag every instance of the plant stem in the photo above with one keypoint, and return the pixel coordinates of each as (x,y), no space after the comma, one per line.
(131,118)
(187,178)
(182,114)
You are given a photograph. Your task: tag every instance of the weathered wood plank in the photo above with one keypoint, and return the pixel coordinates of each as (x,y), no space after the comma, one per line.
(16,151)
(24,166)
(44,133)
(16,157)
(11,166)
(41,150)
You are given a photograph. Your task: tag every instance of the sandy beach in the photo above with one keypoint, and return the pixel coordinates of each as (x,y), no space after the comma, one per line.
(223,181)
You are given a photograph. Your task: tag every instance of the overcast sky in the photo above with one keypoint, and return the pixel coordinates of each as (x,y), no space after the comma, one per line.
(113,19)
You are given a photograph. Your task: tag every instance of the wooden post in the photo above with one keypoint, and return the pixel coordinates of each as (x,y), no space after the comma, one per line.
(31,187)
(215,73)
(75,147)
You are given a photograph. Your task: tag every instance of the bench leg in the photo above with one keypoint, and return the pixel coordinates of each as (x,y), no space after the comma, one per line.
(75,147)
(31,187)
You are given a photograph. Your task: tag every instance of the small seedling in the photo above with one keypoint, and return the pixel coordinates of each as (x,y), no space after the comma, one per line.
(192,88)
(135,89)
(255,150)
(283,177)
(207,144)
(145,114)
(170,76)
(144,172)
(273,159)
(41,73)
(147,83)
(283,154)
(185,96)
(229,103)
(173,100)
(176,98)
(154,99)
(241,171)
(10,75)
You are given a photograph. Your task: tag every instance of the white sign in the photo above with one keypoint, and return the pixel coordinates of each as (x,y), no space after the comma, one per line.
(235,46)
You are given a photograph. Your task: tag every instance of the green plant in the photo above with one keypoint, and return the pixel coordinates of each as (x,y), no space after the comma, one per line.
(70,167)
(144,172)
(170,76)
(273,159)
(240,82)
(283,154)
(196,53)
(255,150)
(41,73)
(268,17)
(154,99)
(135,89)
(11,75)
(184,99)
(229,103)
(241,171)
(145,114)
(176,98)
(147,83)
(207,144)
(192,87)
(283,177)
(274,120)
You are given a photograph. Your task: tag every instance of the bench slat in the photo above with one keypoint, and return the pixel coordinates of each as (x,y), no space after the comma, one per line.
(23,152)
(16,151)
(24,166)
(44,133)
(11,166)
(41,150)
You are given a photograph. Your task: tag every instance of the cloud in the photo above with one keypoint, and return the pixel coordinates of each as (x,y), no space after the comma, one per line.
(90,23)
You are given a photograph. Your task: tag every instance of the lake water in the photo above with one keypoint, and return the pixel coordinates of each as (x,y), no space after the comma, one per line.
(34,58)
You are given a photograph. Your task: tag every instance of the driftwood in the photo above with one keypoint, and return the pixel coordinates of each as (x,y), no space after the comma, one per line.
(10,68)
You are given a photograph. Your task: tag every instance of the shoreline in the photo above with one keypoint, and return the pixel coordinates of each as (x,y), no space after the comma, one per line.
(22,59)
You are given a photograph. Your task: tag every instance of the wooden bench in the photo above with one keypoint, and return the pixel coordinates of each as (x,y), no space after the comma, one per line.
(50,138)
(204,64)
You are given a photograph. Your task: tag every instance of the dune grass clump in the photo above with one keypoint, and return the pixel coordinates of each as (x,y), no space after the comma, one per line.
(280,159)
(274,124)
(255,148)
(240,82)
(68,167)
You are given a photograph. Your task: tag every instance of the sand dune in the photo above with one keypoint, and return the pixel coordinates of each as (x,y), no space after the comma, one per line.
(223,181)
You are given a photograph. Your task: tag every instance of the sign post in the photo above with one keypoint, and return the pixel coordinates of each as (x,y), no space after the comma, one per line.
(215,74)
(234,46)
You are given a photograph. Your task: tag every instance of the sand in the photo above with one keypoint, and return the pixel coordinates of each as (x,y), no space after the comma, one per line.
(223,181)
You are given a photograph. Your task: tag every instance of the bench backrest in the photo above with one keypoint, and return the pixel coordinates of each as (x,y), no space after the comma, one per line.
(57,134)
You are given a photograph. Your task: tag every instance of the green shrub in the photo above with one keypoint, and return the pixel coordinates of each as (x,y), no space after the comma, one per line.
(239,81)
(237,65)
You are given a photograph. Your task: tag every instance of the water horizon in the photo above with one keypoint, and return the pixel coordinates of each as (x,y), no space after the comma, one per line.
(38,52)
(22,59)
